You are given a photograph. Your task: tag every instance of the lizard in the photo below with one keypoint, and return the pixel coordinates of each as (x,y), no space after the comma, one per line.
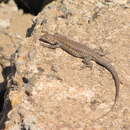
(82,51)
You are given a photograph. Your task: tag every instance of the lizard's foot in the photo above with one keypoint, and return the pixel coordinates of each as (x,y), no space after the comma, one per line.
(83,66)
(87,62)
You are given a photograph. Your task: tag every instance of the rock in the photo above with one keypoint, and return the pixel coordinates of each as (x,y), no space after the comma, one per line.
(53,92)
(4,24)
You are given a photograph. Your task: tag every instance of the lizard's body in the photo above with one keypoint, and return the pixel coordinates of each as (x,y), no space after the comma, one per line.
(81,51)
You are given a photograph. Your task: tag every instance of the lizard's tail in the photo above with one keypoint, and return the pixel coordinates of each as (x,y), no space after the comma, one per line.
(112,70)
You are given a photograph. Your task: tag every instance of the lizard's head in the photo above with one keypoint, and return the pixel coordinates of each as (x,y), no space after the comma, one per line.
(48,39)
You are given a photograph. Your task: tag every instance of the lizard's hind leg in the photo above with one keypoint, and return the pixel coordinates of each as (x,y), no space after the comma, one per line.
(87,62)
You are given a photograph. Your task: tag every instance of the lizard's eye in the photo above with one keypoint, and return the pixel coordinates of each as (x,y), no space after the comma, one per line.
(55,43)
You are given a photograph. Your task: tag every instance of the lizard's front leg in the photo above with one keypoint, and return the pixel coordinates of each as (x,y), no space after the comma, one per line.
(87,61)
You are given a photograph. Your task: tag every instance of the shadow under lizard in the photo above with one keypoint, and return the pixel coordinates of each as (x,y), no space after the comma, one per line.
(80,51)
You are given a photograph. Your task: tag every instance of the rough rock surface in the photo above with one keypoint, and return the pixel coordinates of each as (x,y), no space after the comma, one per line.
(53,91)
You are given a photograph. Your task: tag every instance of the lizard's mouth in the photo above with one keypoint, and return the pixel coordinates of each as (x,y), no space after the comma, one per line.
(47,41)
(43,40)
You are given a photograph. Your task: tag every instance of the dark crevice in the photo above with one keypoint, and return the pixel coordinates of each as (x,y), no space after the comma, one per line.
(25,80)
(2,92)
(30,30)
(8,72)
(4,1)
(32,6)
(5,105)
(3,114)
(23,125)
